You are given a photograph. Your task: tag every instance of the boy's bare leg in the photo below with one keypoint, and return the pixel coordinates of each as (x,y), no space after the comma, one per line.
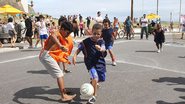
(94,84)
(64,96)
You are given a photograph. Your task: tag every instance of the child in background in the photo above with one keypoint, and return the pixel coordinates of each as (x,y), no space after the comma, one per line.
(107,34)
(81,25)
(94,52)
(42,30)
(159,37)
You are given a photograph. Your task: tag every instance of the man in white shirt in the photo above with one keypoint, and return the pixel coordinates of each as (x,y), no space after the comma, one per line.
(144,26)
(99,19)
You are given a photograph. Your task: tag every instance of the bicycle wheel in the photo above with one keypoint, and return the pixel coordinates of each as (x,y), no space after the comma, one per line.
(121,34)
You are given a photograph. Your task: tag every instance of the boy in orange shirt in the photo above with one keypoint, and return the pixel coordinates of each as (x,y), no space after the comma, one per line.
(57,48)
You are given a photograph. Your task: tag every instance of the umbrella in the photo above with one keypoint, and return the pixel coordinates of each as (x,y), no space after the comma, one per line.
(152,16)
(7,9)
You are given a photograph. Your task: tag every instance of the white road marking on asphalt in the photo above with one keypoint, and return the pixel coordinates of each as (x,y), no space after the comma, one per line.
(147,66)
(17,59)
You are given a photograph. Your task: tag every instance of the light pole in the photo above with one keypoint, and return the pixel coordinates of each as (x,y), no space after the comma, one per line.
(157,7)
(180,14)
(132,2)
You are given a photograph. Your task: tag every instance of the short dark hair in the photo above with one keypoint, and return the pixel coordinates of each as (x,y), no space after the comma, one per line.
(67,26)
(97,26)
(41,16)
(24,15)
(61,19)
(106,20)
(10,19)
(98,12)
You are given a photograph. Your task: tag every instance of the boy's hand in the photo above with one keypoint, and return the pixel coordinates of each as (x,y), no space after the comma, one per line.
(63,48)
(98,47)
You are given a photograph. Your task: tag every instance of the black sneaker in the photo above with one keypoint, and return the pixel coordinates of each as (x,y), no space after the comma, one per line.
(91,100)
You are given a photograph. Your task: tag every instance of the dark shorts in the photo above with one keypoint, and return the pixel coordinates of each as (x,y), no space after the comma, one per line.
(109,45)
(29,33)
(45,36)
(95,74)
(11,33)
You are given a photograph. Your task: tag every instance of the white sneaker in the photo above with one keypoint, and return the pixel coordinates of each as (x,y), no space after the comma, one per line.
(158,51)
(114,63)
(92,100)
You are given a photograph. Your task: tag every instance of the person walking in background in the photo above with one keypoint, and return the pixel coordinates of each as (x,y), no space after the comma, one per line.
(144,26)
(75,28)
(36,30)
(128,25)
(42,30)
(81,25)
(99,19)
(183,27)
(94,52)
(29,32)
(11,31)
(56,50)
(106,16)
(23,29)
(159,37)
(116,26)
(108,37)
(171,26)
(88,21)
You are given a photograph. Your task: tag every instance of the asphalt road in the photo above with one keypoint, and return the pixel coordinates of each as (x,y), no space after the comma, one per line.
(142,76)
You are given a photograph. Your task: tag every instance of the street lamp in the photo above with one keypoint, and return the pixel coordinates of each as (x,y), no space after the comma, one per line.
(132,2)
(180,14)
(157,7)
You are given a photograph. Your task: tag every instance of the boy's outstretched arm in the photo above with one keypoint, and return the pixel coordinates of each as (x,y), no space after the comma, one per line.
(75,55)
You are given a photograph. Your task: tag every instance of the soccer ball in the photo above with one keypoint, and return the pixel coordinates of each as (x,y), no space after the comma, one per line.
(86,89)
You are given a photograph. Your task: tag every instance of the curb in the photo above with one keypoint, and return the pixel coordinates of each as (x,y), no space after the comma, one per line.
(2,50)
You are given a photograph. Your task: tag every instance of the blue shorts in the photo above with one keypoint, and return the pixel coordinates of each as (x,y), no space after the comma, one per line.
(109,46)
(45,36)
(95,74)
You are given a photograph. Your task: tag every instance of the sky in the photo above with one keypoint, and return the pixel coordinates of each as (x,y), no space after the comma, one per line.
(114,8)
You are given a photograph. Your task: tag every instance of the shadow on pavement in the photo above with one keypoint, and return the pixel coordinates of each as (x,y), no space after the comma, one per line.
(163,102)
(172,80)
(181,56)
(40,92)
(38,72)
(146,51)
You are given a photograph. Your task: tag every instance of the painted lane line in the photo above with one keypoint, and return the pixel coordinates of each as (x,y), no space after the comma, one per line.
(18,59)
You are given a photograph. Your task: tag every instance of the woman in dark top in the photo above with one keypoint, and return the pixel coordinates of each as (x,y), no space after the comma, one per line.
(159,37)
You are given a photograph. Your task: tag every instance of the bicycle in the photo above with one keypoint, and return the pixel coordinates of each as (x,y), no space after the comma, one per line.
(121,33)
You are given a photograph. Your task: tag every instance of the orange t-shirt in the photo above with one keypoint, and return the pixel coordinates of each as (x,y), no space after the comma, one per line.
(58,54)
